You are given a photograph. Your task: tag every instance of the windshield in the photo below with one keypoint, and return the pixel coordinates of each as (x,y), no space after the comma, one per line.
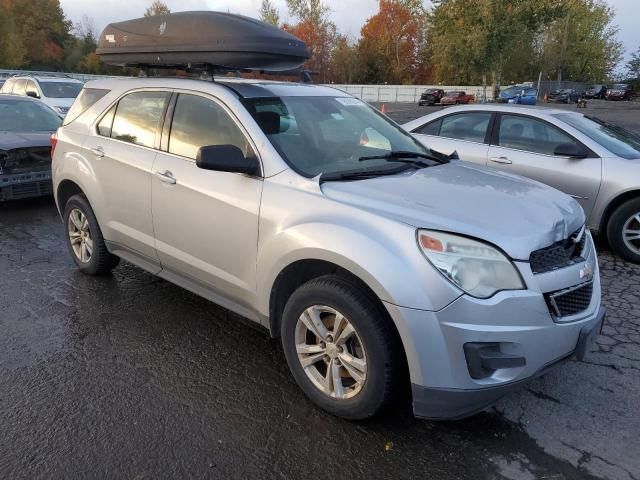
(60,89)
(620,86)
(24,116)
(317,135)
(617,140)
(512,91)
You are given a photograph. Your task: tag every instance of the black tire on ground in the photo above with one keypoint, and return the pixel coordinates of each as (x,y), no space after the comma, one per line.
(101,261)
(616,225)
(379,339)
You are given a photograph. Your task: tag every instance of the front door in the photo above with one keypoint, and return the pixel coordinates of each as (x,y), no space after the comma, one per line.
(525,146)
(206,222)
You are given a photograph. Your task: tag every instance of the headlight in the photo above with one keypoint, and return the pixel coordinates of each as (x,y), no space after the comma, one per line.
(475,267)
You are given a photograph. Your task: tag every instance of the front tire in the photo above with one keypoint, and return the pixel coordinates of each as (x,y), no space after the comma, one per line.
(341,348)
(623,230)
(84,238)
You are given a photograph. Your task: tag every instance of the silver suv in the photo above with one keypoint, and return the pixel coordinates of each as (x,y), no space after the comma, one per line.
(376,261)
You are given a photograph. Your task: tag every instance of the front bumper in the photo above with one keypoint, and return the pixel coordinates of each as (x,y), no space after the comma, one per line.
(24,185)
(520,323)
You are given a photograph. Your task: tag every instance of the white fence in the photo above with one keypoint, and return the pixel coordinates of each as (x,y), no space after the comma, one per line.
(405,93)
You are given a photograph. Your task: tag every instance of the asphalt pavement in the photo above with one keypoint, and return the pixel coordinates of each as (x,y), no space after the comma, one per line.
(129,376)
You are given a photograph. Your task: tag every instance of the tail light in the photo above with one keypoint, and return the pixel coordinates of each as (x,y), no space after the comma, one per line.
(54,142)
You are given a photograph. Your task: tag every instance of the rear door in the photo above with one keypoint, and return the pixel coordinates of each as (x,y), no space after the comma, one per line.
(122,153)
(525,145)
(463,132)
(205,221)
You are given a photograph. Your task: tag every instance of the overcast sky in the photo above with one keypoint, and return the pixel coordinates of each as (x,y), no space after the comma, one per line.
(349,15)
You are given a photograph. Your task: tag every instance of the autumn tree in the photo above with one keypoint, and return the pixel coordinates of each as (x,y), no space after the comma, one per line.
(41,28)
(388,44)
(317,31)
(269,13)
(344,62)
(157,7)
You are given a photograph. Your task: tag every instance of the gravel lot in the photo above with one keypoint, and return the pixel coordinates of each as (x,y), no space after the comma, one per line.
(128,376)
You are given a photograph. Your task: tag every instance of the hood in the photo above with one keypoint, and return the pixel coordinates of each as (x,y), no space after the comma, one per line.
(514,213)
(62,102)
(11,140)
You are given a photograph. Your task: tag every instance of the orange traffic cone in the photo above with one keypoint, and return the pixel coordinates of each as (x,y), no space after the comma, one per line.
(383,110)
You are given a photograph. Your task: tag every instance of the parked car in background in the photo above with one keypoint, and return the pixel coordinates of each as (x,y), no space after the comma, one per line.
(595,162)
(456,97)
(519,95)
(26,126)
(431,96)
(58,92)
(566,95)
(596,91)
(619,91)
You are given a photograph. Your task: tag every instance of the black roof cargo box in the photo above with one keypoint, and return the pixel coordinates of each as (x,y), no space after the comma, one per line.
(208,38)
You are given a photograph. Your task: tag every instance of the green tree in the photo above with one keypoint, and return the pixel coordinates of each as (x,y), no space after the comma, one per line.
(471,38)
(269,13)
(157,7)
(582,45)
(633,65)
(12,51)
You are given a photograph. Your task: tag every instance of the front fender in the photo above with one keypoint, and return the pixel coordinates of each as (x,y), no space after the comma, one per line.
(388,261)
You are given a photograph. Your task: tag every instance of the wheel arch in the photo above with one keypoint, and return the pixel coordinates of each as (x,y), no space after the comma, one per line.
(613,205)
(67,189)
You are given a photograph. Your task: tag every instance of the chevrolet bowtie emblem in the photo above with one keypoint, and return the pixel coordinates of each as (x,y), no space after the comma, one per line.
(586,272)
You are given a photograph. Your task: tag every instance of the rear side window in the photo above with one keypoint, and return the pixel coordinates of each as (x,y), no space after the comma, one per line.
(471,126)
(8,86)
(20,88)
(431,128)
(137,118)
(86,98)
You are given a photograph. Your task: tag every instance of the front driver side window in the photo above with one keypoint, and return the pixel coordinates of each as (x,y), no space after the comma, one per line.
(199,122)
(531,135)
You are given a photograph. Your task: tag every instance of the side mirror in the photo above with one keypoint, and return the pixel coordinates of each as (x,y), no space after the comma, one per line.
(226,158)
(571,150)
(33,94)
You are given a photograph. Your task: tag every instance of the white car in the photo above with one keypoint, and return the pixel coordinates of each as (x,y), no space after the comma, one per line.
(58,92)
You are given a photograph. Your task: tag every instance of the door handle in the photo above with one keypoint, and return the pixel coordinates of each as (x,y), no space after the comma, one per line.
(98,152)
(503,160)
(166,177)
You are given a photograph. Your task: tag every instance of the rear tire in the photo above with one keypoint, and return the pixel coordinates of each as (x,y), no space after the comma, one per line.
(84,238)
(354,343)
(623,230)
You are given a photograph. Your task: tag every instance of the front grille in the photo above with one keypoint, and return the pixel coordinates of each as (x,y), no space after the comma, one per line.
(559,255)
(570,301)
(25,160)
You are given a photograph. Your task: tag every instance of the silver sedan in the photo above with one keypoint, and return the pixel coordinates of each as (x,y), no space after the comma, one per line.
(595,162)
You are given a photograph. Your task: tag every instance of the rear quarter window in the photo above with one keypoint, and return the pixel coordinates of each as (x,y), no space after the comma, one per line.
(86,98)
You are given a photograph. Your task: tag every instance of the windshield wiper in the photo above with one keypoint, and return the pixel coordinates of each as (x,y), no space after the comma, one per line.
(403,157)
(362,174)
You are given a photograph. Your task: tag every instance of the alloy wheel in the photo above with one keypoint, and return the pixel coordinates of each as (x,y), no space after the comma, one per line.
(80,235)
(331,352)
(631,233)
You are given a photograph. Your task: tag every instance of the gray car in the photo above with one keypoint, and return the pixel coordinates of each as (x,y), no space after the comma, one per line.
(595,162)
(310,213)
